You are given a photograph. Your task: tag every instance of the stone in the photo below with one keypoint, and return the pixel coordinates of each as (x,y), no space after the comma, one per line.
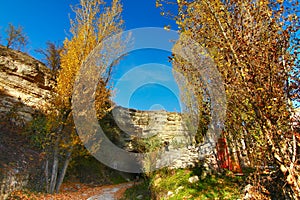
(170,194)
(140,196)
(193,179)
(178,189)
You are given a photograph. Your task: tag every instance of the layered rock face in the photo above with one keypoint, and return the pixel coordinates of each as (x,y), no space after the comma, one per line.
(169,130)
(168,126)
(25,83)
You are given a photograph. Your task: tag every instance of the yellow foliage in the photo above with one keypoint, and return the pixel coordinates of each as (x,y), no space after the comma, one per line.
(88,30)
(92,24)
(253,45)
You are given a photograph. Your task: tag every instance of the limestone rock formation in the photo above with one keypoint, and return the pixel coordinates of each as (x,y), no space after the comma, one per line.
(168,127)
(25,83)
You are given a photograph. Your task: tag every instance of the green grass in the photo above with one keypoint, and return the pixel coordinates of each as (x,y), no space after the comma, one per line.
(141,189)
(212,187)
(117,179)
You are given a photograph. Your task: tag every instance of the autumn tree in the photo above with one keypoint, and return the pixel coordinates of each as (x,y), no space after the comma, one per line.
(255,47)
(16,37)
(195,98)
(93,23)
(51,56)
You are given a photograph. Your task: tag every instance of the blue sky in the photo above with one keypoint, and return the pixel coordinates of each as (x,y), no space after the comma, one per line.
(48,20)
(149,79)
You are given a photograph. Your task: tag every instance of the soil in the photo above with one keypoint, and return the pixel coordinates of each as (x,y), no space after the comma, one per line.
(78,191)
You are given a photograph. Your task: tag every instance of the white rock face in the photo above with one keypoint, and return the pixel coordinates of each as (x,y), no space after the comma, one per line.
(168,127)
(25,83)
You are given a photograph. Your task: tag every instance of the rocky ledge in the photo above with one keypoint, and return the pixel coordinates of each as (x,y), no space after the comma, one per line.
(25,83)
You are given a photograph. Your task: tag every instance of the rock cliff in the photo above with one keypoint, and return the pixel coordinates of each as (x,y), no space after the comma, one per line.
(25,83)
(167,128)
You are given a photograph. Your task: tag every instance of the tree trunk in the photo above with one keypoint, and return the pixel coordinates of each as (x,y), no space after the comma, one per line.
(246,149)
(54,169)
(47,175)
(56,151)
(63,170)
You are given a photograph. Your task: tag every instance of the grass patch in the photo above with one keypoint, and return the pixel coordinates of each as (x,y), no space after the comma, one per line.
(175,185)
(139,191)
(117,179)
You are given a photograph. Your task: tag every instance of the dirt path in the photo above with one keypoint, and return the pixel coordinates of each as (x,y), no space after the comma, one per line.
(78,191)
(112,192)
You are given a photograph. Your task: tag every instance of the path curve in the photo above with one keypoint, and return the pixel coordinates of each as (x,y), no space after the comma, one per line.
(112,192)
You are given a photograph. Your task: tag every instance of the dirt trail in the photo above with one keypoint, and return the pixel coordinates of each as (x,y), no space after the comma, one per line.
(78,191)
(112,192)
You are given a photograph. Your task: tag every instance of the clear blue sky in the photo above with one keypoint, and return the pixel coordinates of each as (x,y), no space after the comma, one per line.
(48,20)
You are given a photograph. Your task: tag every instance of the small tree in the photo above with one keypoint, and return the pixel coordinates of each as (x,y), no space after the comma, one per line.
(51,56)
(16,38)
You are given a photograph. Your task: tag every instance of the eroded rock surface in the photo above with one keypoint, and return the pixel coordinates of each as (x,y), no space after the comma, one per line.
(169,129)
(25,83)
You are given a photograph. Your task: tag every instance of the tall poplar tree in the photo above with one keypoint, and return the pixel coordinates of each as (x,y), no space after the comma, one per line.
(93,23)
(255,47)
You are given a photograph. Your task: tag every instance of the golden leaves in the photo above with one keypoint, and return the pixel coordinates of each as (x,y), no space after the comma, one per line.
(158,4)
(247,43)
(88,28)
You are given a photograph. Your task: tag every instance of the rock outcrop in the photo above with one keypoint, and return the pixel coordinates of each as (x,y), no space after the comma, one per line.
(167,128)
(25,83)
